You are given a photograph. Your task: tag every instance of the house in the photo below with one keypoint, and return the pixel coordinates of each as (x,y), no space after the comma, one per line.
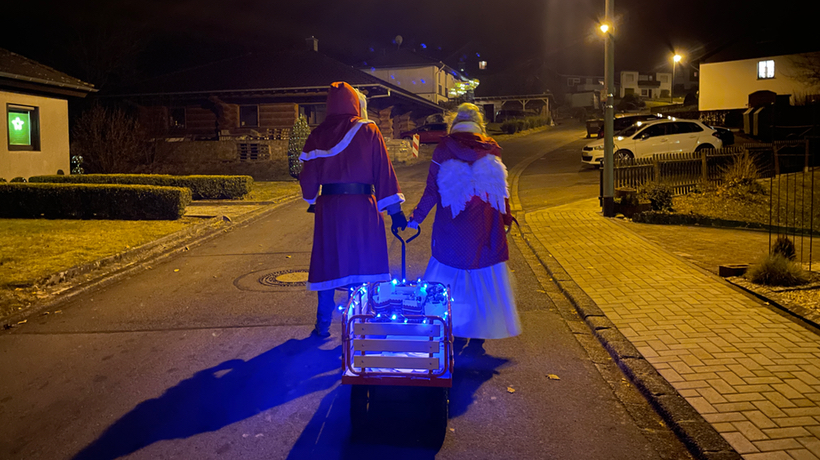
(727,84)
(34,98)
(234,116)
(426,77)
(647,86)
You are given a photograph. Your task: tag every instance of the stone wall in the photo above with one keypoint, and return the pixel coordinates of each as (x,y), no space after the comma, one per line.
(261,159)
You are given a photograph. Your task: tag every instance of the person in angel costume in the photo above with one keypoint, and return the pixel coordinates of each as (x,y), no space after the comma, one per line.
(468,184)
(348,180)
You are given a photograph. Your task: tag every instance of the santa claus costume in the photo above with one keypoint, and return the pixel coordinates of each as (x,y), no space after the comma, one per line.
(467,183)
(348,176)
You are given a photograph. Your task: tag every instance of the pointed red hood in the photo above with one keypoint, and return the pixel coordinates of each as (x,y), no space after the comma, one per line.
(342,113)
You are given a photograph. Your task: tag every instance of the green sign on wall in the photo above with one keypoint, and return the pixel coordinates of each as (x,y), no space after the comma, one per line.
(19,128)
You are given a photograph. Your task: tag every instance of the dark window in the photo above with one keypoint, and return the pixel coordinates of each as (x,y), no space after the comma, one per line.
(653,131)
(176,118)
(683,127)
(440,90)
(315,113)
(248,116)
(24,127)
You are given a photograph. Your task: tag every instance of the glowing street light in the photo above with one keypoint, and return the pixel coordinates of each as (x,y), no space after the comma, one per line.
(604,28)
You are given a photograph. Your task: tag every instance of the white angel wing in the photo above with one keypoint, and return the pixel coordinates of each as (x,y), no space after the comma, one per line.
(490,181)
(455,185)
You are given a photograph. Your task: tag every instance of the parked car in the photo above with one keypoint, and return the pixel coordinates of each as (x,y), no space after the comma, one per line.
(646,138)
(621,123)
(504,115)
(429,133)
(725,135)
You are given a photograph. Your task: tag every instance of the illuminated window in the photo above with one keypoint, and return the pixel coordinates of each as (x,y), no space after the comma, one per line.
(248,116)
(176,117)
(24,127)
(765,69)
(482,65)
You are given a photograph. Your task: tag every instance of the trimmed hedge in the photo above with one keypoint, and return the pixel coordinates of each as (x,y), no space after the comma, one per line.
(202,187)
(92,201)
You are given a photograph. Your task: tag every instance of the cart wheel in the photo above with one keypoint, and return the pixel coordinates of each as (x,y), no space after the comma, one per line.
(359,405)
(440,413)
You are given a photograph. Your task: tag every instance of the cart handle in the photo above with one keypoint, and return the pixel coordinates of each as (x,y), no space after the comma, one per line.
(396,234)
(404,250)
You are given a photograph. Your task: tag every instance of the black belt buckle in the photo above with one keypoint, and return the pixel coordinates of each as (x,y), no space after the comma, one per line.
(347,189)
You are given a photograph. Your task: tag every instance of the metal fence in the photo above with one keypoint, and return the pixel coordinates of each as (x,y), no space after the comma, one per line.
(787,168)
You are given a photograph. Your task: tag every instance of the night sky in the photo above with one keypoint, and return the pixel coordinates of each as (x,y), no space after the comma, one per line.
(110,41)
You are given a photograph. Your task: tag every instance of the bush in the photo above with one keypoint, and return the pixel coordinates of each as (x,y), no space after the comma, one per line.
(740,177)
(18,179)
(93,201)
(509,127)
(784,247)
(202,187)
(776,270)
(659,195)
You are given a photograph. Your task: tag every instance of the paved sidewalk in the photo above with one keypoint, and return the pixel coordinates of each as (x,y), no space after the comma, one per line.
(752,373)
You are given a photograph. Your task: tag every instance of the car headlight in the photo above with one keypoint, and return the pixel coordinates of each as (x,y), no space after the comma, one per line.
(598,147)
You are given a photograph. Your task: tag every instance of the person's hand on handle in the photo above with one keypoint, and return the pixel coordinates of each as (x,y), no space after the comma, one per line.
(399,221)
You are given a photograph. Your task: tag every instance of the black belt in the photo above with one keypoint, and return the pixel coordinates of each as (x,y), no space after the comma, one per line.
(347,189)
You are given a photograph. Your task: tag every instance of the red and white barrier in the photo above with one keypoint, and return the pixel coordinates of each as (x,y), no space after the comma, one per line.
(414,145)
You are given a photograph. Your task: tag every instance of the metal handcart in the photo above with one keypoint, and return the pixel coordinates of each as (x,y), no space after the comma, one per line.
(398,333)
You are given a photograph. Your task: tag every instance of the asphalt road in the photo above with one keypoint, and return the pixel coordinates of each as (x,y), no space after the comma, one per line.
(196,358)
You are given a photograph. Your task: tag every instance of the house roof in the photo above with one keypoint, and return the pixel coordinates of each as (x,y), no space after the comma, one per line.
(21,72)
(267,72)
(752,46)
(400,58)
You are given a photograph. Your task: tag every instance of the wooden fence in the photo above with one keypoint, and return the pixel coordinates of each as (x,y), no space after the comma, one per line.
(685,172)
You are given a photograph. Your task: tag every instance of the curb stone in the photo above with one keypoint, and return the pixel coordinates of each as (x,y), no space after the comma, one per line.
(699,436)
(64,285)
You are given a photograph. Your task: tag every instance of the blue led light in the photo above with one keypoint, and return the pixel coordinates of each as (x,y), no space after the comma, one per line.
(423,46)
(393,317)
(422,80)
(395,281)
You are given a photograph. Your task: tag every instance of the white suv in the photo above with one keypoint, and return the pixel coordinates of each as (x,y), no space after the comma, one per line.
(644,139)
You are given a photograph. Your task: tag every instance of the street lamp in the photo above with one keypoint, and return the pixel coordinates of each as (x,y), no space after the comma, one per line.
(675,59)
(608,170)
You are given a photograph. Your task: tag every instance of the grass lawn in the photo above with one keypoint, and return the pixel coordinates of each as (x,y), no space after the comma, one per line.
(273,191)
(793,208)
(35,248)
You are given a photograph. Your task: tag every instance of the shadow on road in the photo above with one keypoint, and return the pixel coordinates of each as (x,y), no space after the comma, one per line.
(401,430)
(214,398)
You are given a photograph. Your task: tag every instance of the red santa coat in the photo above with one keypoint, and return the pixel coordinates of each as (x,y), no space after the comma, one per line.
(349,242)
(472,202)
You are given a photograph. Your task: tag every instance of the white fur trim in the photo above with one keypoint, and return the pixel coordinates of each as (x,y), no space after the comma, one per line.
(388,200)
(458,183)
(347,280)
(313,201)
(466,127)
(336,149)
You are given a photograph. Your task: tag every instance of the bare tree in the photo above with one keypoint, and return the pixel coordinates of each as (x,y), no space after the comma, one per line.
(806,68)
(109,140)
